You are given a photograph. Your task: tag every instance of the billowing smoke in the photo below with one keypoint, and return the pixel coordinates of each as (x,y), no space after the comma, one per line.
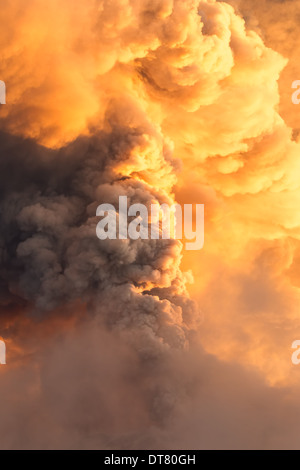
(50,252)
(153,100)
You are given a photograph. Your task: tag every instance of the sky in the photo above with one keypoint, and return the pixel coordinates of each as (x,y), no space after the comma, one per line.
(124,344)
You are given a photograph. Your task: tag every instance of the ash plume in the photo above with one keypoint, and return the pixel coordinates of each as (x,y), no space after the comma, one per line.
(158,101)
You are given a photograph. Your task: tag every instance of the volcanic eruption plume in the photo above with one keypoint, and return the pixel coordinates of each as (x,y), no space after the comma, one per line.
(136,98)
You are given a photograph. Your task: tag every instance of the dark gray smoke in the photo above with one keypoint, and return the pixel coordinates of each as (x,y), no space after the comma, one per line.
(49,250)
